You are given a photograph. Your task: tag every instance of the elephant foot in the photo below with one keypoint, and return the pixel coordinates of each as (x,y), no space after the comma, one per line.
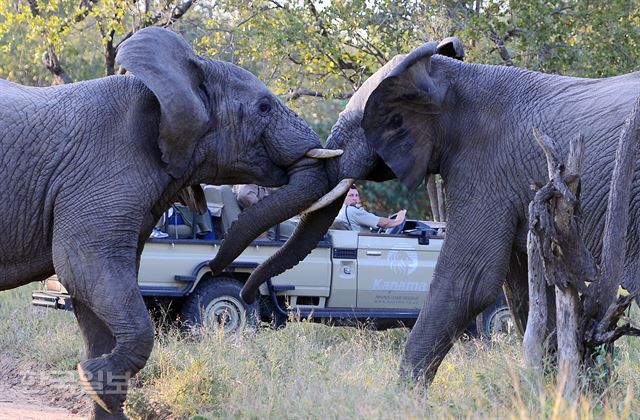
(105,384)
(98,413)
(414,374)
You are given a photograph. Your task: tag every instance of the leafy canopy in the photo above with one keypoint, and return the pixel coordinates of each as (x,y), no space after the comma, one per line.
(315,54)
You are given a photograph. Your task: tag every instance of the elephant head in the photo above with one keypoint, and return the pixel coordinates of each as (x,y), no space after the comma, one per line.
(224,119)
(400,119)
(360,160)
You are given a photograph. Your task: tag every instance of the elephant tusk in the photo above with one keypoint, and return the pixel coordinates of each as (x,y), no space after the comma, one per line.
(331,196)
(324,153)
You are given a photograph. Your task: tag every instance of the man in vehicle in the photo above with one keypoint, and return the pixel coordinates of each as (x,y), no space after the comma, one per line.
(353,217)
(249,194)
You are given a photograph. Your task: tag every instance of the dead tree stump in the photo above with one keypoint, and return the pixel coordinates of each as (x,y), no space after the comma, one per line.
(536,332)
(565,261)
(586,316)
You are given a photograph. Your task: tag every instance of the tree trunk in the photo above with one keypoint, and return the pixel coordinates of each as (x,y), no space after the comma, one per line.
(554,221)
(554,218)
(535,334)
(570,349)
(433,198)
(442,198)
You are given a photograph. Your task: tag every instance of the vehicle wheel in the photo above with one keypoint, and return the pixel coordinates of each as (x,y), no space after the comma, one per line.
(216,303)
(498,321)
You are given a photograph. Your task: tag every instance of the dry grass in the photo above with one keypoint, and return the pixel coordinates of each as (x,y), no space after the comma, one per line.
(35,334)
(314,371)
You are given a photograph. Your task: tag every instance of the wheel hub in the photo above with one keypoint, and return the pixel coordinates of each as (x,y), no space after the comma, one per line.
(225,312)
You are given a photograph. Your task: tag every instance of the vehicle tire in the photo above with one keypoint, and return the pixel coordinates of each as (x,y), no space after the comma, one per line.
(216,302)
(497,320)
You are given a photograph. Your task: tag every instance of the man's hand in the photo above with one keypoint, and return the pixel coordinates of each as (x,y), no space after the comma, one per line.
(385,222)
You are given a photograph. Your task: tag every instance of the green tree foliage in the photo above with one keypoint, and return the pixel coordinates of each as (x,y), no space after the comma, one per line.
(315,54)
(577,38)
(327,49)
(53,35)
(313,48)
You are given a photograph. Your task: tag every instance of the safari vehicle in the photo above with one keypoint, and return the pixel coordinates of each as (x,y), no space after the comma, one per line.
(380,278)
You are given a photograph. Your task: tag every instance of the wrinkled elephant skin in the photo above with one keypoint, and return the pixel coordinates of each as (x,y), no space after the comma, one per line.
(428,112)
(474,125)
(88,168)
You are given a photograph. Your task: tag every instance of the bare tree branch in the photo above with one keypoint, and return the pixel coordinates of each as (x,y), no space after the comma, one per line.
(296,94)
(160,20)
(502,49)
(51,62)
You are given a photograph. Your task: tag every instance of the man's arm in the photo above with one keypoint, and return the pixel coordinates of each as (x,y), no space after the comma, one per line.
(385,222)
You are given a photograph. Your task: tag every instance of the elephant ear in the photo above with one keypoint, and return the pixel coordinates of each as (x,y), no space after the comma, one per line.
(451,47)
(399,115)
(167,65)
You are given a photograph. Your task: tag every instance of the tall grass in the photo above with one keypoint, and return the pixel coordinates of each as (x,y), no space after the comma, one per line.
(311,370)
(29,334)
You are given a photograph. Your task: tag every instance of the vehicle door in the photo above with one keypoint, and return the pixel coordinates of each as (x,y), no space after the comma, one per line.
(394,271)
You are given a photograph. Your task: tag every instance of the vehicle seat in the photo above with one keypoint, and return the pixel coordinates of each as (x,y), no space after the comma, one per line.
(284,230)
(176,226)
(180,231)
(222,203)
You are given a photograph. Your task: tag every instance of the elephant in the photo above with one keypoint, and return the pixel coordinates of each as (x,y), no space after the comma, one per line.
(89,167)
(430,112)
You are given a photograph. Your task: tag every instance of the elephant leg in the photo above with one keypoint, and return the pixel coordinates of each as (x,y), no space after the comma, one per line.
(98,340)
(470,271)
(104,287)
(516,289)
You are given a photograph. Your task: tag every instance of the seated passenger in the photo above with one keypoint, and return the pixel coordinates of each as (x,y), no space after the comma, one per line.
(180,222)
(188,217)
(353,217)
(249,194)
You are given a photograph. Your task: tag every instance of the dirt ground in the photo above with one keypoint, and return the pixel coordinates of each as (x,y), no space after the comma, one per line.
(32,393)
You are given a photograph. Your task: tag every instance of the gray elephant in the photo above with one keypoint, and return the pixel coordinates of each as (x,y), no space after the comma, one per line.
(88,168)
(428,112)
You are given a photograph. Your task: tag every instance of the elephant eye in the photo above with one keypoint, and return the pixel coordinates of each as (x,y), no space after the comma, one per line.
(396,121)
(264,107)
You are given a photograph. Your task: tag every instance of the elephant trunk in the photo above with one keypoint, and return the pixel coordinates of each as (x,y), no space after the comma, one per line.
(304,239)
(307,182)
(315,224)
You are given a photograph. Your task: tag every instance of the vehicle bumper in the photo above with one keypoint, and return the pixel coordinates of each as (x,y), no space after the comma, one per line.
(55,300)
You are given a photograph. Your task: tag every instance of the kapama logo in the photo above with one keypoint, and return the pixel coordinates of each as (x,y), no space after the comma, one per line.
(403,261)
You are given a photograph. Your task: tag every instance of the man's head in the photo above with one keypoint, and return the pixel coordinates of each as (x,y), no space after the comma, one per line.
(353,197)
